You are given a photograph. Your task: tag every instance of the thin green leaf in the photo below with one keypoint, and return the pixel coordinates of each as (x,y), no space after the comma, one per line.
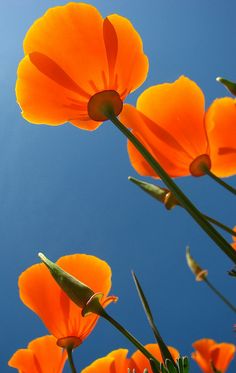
(154,366)
(164,349)
(171,367)
(185,364)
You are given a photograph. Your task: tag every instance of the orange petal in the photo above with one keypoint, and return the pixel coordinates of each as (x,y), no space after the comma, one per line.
(72,36)
(114,362)
(42,100)
(169,121)
(55,84)
(23,360)
(139,362)
(41,294)
(222,354)
(202,355)
(221,130)
(120,360)
(35,357)
(128,65)
(102,365)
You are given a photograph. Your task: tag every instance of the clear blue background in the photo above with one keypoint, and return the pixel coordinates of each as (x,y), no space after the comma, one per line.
(64,190)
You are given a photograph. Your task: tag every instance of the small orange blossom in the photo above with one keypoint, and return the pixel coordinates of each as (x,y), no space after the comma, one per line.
(40,292)
(117,361)
(170,121)
(42,355)
(209,352)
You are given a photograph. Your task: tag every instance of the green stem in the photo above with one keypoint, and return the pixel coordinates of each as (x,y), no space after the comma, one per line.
(220,181)
(230,305)
(220,225)
(131,338)
(70,359)
(181,197)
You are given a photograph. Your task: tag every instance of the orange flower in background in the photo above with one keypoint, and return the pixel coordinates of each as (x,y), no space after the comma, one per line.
(62,317)
(71,54)
(42,355)
(209,352)
(117,361)
(170,121)
(234,240)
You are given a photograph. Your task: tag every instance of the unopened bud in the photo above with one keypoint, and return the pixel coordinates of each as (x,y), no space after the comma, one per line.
(231,86)
(77,291)
(200,273)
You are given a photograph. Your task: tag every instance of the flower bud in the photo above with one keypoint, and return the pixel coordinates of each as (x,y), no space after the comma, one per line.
(231,86)
(200,273)
(77,291)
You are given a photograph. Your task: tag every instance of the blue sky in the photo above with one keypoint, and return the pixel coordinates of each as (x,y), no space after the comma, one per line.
(64,190)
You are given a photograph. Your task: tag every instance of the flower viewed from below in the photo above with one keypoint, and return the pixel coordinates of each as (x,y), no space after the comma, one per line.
(170,121)
(62,317)
(233,244)
(71,54)
(117,361)
(209,353)
(42,355)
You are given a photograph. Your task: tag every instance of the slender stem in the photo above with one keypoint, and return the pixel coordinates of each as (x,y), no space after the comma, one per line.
(131,338)
(220,225)
(220,181)
(230,305)
(181,197)
(70,359)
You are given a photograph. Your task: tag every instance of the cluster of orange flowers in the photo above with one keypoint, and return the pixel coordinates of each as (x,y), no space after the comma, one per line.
(86,55)
(76,75)
(40,292)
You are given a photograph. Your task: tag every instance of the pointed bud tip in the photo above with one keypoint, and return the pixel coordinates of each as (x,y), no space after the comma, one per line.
(42,256)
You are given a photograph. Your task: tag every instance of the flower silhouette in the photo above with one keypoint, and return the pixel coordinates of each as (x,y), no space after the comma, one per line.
(210,354)
(117,361)
(42,355)
(62,317)
(72,54)
(171,122)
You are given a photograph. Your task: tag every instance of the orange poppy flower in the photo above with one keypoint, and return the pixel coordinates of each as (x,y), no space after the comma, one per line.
(171,122)
(71,54)
(209,352)
(234,240)
(36,359)
(62,317)
(117,361)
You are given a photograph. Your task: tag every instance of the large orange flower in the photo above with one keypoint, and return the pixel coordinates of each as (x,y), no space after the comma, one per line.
(209,352)
(117,361)
(42,355)
(40,292)
(72,53)
(171,123)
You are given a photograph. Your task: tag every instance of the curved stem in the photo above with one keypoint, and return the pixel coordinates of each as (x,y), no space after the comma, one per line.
(131,338)
(220,181)
(221,296)
(70,359)
(220,225)
(181,197)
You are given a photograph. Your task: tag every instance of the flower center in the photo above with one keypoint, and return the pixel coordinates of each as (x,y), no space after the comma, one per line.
(199,165)
(103,103)
(69,342)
